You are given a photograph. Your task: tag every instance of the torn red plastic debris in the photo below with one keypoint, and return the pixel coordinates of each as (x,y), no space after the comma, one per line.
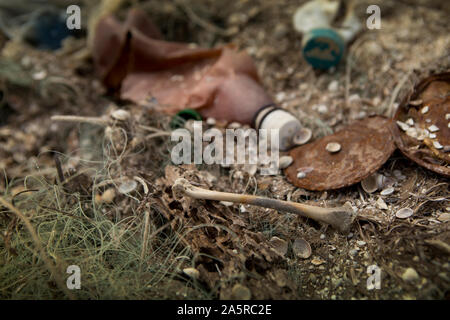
(363,147)
(132,60)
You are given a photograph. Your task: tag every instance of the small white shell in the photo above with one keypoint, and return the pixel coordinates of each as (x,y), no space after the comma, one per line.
(192,272)
(433,128)
(402,125)
(404,213)
(301,248)
(211,121)
(387,191)
(120,114)
(333,147)
(285,162)
(381,204)
(410,122)
(302,136)
(127,186)
(437,145)
(425,109)
(432,135)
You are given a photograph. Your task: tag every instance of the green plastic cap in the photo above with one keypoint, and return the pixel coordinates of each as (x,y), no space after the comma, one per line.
(323,48)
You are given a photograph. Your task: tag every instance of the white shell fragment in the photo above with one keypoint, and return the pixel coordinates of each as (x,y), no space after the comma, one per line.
(301,175)
(433,128)
(410,122)
(302,136)
(404,213)
(402,125)
(302,172)
(387,191)
(127,186)
(285,162)
(333,147)
(381,204)
(425,109)
(447,116)
(432,135)
(192,272)
(120,114)
(370,184)
(437,145)
(301,248)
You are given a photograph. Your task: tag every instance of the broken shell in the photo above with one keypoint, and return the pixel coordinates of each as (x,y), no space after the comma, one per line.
(447,116)
(425,109)
(412,132)
(410,122)
(333,147)
(432,135)
(387,191)
(192,272)
(416,103)
(301,175)
(402,125)
(370,184)
(121,114)
(404,213)
(433,128)
(381,204)
(280,245)
(302,136)
(127,186)
(301,248)
(285,162)
(437,145)
(226,203)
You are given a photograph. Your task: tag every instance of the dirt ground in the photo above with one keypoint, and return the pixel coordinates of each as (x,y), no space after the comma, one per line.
(136,245)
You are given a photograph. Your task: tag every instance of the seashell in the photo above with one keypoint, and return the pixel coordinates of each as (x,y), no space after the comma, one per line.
(127,186)
(370,184)
(416,103)
(280,245)
(301,248)
(404,213)
(402,125)
(412,132)
(333,147)
(285,162)
(211,121)
(302,136)
(387,191)
(437,145)
(120,114)
(433,128)
(192,272)
(425,109)
(381,204)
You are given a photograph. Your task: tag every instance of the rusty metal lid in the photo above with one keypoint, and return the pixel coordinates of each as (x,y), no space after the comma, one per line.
(365,146)
(427,107)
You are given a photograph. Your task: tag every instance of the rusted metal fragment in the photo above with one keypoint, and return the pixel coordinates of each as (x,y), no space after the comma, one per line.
(433,115)
(365,147)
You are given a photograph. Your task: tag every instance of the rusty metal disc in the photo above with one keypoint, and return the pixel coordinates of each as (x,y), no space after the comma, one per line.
(426,108)
(365,146)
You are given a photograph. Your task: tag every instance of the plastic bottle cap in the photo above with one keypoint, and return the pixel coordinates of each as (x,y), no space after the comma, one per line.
(275,118)
(323,48)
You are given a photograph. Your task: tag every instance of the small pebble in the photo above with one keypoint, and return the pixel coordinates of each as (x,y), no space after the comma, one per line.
(285,161)
(301,175)
(322,236)
(191,272)
(410,275)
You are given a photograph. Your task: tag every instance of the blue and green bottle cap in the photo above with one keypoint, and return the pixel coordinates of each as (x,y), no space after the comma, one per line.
(184,115)
(323,48)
